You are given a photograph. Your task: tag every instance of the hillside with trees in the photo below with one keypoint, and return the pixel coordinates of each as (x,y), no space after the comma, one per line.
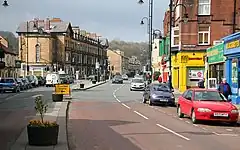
(12,40)
(131,49)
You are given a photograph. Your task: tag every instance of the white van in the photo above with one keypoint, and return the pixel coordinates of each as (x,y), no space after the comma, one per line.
(52,79)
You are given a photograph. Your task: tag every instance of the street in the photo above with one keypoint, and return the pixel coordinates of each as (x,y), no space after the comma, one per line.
(16,109)
(111,116)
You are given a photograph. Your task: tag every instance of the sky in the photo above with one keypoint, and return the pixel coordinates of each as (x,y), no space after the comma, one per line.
(113,19)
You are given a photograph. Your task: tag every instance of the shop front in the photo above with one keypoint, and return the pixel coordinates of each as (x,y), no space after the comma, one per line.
(187,69)
(232,53)
(216,65)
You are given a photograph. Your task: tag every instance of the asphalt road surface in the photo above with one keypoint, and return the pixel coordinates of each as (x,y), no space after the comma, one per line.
(16,109)
(111,117)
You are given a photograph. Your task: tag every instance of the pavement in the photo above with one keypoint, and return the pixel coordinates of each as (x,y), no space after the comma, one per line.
(16,109)
(111,117)
(56,112)
(87,85)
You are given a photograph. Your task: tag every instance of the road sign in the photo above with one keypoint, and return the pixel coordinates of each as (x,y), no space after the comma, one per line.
(62,89)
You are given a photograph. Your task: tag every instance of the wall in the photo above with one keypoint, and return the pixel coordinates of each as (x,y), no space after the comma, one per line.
(115,60)
(220,20)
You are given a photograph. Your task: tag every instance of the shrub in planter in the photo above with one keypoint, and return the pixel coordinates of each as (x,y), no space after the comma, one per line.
(41,132)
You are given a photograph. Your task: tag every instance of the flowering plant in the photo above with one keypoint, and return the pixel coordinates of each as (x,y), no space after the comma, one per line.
(41,108)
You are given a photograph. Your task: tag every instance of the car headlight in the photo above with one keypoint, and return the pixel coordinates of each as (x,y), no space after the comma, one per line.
(154,96)
(203,110)
(234,111)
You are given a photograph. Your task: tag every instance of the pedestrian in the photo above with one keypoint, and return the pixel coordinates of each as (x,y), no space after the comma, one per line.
(225,88)
(201,83)
(159,79)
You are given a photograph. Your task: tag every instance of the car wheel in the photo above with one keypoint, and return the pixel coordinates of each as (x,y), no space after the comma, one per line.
(179,111)
(234,123)
(193,117)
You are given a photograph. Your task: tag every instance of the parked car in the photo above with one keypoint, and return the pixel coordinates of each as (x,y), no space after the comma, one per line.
(137,84)
(21,84)
(157,93)
(41,81)
(117,79)
(206,104)
(27,84)
(125,77)
(33,80)
(9,84)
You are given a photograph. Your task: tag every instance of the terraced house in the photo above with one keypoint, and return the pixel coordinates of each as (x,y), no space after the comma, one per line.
(54,45)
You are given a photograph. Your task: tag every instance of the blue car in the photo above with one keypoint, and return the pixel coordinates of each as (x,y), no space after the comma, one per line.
(9,84)
(158,93)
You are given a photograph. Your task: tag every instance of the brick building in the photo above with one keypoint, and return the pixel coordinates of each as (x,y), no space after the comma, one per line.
(209,21)
(118,62)
(54,45)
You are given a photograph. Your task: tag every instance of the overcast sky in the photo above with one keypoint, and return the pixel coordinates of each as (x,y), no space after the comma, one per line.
(114,19)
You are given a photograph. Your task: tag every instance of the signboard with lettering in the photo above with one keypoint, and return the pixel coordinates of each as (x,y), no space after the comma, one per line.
(62,89)
(233,44)
(215,54)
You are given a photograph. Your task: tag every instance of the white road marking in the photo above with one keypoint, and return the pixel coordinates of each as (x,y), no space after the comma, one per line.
(180,118)
(126,106)
(34,96)
(195,125)
(173,132)
(220,134)
(187,122)
(229,130)
(12,96)
(141,115)
(204,128)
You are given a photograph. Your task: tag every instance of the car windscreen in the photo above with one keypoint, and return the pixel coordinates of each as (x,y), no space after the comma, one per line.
(118,77)
(161,87)
(30,78)
(137,80)
(209,96)
(7,81)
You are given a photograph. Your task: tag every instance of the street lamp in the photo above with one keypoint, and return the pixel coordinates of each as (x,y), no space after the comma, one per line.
(185,19)
(5,3)
(150,20)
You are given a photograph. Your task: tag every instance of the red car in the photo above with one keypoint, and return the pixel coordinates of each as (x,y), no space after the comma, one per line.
(206,104)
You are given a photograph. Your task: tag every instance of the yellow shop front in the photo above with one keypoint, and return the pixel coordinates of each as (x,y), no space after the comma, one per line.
(187,69)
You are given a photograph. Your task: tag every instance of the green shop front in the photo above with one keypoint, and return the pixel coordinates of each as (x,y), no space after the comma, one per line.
(216,65)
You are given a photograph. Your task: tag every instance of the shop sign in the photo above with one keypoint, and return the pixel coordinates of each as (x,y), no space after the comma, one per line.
(196,74)
(215,54)
(233,44)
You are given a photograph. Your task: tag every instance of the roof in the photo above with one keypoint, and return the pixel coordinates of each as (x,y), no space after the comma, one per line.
(55,27)
(7,50)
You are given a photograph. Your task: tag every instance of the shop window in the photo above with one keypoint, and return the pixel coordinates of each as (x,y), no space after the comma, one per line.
(204,36)
(204,7)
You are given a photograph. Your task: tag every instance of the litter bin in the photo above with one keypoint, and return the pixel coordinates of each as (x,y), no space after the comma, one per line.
(94,81)
(57,97)
(81,85)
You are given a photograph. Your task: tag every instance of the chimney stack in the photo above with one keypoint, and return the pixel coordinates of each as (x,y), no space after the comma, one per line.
(47,25)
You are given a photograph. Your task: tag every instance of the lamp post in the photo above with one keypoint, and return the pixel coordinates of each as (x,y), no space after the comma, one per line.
(5,3)
(98,59)
(150,19)
(172,20)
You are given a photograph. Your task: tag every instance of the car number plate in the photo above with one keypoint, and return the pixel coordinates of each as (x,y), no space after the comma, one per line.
(221,114)
(163,100)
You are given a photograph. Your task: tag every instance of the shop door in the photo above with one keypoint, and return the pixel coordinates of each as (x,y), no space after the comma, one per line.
(194,75)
